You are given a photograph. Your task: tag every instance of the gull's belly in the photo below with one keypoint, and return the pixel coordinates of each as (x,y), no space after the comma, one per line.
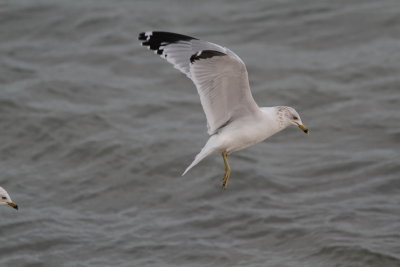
(241,140)
(237,138)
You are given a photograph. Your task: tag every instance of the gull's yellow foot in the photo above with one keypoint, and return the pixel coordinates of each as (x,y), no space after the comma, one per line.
(227,170)
(226,178)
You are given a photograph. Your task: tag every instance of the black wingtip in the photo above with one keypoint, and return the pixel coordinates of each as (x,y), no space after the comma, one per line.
(156,39)
(205,54)
(142,36)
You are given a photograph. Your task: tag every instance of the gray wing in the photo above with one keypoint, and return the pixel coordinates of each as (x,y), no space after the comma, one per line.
(219,74)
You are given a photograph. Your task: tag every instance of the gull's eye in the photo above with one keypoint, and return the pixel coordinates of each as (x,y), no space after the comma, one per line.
(295,118)
(3,197)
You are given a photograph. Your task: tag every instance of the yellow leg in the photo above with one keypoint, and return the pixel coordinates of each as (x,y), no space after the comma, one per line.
(227,170)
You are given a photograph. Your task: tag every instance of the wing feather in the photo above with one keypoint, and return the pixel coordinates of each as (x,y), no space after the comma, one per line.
(223,86)
(219,74)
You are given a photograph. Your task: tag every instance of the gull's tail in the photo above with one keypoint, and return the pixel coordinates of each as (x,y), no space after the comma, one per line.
(210,147)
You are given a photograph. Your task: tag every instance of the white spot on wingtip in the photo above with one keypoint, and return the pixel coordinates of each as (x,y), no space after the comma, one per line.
(148,35)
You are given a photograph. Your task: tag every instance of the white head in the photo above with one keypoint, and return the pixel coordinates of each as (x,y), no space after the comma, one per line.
(289,116)
(5,199)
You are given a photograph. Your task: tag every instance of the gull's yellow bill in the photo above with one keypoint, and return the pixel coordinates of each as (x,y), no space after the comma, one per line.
(304,128)
(12,204)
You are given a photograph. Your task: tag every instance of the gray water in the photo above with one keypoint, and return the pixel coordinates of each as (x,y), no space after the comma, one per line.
(96,131)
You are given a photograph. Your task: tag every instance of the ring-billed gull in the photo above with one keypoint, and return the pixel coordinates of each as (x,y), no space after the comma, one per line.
(5,199)
(234,120)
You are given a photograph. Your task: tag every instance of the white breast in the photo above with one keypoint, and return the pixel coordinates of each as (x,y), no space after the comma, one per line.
(250,130)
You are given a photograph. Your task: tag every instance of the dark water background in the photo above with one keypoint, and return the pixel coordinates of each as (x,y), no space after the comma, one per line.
(96,130)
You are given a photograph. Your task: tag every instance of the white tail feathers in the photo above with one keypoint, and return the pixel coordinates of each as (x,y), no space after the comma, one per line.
(210,147)
(199,157)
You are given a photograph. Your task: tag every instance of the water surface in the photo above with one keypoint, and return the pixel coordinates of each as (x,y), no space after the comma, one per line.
(96,132)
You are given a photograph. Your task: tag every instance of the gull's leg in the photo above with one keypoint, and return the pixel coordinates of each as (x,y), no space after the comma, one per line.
(227,170)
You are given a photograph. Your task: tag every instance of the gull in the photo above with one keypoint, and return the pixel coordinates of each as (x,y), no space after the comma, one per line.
(5,199)
(234,120)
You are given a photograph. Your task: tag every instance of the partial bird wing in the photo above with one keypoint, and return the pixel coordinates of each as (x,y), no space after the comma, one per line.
(219,75)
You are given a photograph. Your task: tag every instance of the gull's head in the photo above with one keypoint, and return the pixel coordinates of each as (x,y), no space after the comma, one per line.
(289,116)
(5,199)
